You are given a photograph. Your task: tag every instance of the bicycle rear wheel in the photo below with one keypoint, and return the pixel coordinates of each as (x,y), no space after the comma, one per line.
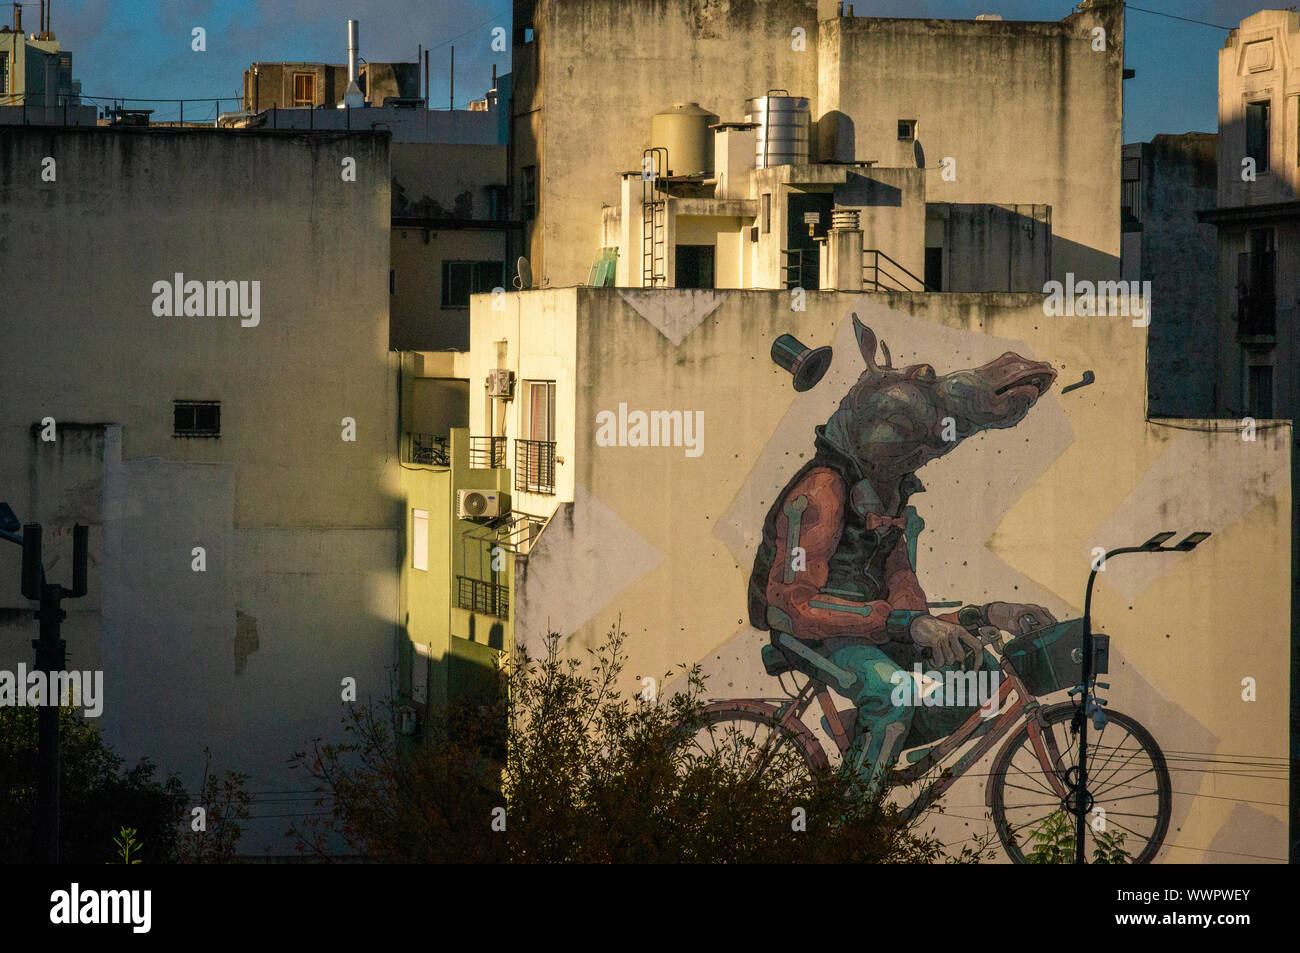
(1127,778)
(751,741)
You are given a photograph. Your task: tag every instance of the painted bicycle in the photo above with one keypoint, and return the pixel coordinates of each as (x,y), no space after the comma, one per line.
(1035,773)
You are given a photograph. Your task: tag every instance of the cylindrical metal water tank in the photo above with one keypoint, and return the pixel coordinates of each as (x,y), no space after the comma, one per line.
(785,127)
(684,132)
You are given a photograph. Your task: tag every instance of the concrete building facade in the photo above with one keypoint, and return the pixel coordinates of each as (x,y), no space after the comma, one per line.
(202,374)
(915,122)
(1257,215)
(1166,182)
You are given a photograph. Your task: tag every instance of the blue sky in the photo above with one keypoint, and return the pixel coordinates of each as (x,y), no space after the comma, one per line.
(141,48)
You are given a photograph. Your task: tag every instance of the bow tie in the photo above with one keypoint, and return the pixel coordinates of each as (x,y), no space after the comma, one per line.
(876,521)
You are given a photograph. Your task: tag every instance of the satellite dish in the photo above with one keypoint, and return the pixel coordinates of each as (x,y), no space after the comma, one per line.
(524,274)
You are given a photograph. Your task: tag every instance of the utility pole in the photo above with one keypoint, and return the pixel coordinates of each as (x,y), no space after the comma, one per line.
(51,656)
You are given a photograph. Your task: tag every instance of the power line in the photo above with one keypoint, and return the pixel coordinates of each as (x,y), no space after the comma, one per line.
(1171,16)
(477,26)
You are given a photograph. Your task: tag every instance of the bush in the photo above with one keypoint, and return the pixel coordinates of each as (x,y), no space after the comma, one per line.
(565,769)
(98,795)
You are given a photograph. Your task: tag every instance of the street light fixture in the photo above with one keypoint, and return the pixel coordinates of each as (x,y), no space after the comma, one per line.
(1156,544)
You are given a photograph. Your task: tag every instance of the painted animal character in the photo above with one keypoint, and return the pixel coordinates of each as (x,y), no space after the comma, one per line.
(837,565)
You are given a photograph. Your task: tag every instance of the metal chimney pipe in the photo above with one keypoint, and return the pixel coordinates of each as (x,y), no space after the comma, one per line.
(18,18)
(353,47)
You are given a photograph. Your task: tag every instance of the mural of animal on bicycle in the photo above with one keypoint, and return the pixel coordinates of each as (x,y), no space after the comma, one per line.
(834,583)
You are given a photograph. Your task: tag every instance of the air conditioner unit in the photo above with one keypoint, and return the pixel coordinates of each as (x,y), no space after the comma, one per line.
(501,384)
(481,504)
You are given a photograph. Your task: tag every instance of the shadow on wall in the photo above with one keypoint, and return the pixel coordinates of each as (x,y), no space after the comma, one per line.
(868,192)
(1007,248)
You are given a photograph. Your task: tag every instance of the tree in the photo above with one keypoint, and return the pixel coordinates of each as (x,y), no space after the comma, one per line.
(225,802)
(564,768)
(99,796)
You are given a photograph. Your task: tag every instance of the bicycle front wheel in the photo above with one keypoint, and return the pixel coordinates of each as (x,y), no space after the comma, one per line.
(1130,795)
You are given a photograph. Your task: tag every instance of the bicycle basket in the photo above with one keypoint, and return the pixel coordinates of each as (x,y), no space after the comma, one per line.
(1052,658)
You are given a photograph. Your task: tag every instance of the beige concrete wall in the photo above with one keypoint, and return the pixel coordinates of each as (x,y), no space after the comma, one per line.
(993,247)
(419,321)
(606,67)
(665,541)
(724,234)
(1029,111)
(891,213)
(300,527)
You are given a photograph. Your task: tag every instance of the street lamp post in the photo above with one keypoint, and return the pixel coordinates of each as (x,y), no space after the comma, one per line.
(51,657)
(1082,800)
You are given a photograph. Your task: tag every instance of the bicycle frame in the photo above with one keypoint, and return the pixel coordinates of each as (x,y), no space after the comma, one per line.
(1025,705)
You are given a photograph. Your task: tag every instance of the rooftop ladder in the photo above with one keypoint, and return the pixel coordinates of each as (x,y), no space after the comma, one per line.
(654,220)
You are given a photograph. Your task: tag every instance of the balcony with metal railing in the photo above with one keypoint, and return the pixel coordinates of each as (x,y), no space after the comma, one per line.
(487,453)
(427,449)
(479,595)
(535,466)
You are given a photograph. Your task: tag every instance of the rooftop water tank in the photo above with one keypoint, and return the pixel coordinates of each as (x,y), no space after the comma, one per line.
(784,130)
(684,132)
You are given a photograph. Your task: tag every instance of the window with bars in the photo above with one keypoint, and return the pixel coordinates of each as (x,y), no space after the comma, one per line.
(4,72)
(535,450)
(196,418)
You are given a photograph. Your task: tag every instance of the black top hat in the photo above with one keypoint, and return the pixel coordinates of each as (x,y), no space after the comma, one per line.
(805,364)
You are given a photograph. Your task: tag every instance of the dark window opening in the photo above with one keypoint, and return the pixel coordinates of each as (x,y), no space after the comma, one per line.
(1260,391)
(695,266)
(196,418)
(1256,285)
(767,212)
(460,279)
(1257,134)
(906,130)
(4,72)
(392,281)
(934,269)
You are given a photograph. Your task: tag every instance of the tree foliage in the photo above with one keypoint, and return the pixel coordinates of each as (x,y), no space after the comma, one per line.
(99,795)
(566,768)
